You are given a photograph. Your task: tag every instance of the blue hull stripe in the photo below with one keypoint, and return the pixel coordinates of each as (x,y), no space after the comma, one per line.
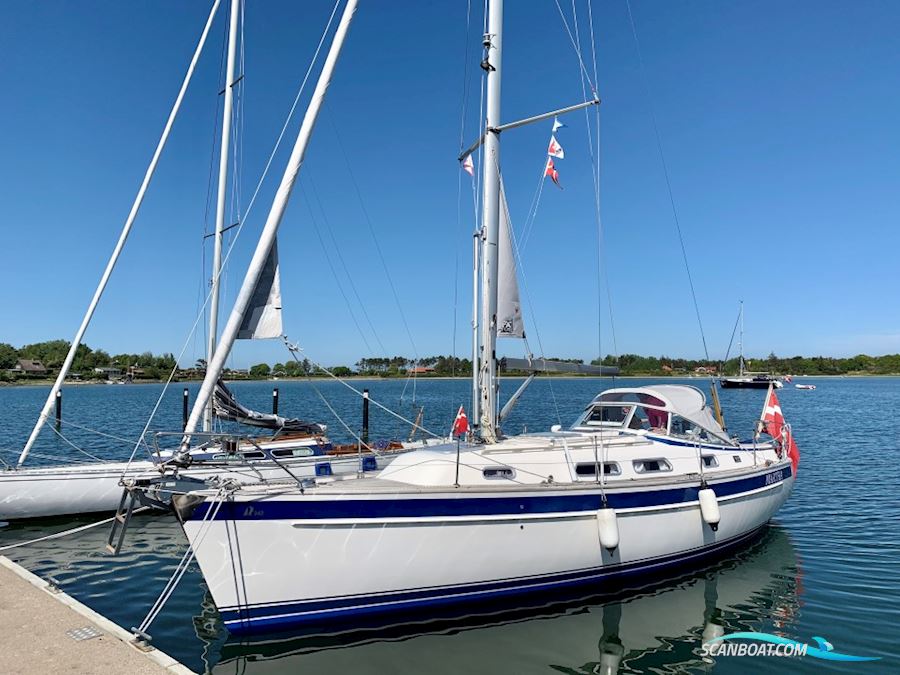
(247,620)
(306,508)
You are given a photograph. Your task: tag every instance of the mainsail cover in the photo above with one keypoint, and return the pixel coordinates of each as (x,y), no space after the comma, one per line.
(228,408)
(263,317)
(509,311)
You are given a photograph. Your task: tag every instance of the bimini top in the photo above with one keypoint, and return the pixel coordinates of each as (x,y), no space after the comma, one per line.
(686,406)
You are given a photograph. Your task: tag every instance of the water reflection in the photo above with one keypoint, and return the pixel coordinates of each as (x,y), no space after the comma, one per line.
(659,628)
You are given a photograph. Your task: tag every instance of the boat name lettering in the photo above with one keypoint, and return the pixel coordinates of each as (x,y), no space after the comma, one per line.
(251,512)
(774,477)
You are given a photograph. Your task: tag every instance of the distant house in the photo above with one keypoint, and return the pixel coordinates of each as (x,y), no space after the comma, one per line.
(109,372)
(29,367)
(421,370)
(667,368)
(705,370)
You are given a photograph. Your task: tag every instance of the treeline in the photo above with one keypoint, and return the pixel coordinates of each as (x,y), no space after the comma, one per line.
(52,354)
(861,364)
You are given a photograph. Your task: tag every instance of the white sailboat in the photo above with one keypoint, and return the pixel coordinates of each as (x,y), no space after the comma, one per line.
(645,479)
(85,487)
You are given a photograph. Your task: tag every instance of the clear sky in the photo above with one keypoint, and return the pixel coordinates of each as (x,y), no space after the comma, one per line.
(779,124)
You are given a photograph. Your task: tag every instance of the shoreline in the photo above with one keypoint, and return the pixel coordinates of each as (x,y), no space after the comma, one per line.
(371,378)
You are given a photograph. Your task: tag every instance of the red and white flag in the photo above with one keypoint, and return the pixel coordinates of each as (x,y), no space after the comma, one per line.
(460,424)
(551,171)
(555,149)
(468,165)
(773,423)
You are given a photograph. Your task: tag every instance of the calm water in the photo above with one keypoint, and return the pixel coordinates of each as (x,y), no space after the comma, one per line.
(828,566)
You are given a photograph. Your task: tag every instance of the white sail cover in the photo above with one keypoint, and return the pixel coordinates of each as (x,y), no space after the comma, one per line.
(509,311)
(263,317)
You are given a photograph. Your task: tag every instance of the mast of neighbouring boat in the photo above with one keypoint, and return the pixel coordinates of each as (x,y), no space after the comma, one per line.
(491,223)
(123,237)
(741,341)
(220,201)
(270,229)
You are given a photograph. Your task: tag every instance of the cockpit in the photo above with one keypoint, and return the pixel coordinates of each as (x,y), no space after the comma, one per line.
(645,410)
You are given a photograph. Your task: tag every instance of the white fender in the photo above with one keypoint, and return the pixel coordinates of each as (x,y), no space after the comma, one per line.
(609,663)
(608,528)
(709,508)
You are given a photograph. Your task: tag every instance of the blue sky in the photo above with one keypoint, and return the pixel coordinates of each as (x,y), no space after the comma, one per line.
(778,122)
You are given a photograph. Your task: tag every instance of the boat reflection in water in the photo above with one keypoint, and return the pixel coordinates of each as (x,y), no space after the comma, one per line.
(662,626)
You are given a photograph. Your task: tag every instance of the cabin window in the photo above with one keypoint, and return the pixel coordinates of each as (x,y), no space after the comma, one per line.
(710,460)
(737,459)
(253,455)
(293,452)
(498,473)
(590,469)
(608,414)
(686,429)
(651,465)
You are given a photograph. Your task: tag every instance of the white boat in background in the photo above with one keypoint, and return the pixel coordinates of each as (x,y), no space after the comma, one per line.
(804,386)
(646,478)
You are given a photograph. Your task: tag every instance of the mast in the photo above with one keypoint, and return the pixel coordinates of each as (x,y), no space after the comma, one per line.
(741,341)
(270,229)
(476,263)
(114,257)
(491,223)
(220,201)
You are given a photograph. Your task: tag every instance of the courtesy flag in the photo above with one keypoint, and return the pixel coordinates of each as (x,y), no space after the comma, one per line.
(551,171)
(460,424)
(469,166)
(773,423)
(555,149)
(557,125)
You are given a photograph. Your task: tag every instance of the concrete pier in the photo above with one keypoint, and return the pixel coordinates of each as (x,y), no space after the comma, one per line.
(39,627)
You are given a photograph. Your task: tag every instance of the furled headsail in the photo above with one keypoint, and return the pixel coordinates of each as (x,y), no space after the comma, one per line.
(227,407)
(263,317)
(509,311)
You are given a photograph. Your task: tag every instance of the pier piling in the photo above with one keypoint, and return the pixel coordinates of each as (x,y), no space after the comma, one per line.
(185,398)
(275,401)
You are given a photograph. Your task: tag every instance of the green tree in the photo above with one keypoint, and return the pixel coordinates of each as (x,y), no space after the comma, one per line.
(260,370)
(8,356)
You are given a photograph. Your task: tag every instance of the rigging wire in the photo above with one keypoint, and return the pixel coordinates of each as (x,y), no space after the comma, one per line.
(665,168)
(371,227)
(240,227)
(295,348)
(521,267)
(602,271)
(334,273)
(581,65)
(337,249)
(462,131)
(731,341)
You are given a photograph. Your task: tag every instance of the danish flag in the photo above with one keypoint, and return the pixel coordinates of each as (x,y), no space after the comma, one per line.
(773,423)
(551,171)
(460,424)
(555,149)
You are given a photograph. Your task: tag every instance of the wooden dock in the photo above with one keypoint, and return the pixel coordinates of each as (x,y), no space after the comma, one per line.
(43,630)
